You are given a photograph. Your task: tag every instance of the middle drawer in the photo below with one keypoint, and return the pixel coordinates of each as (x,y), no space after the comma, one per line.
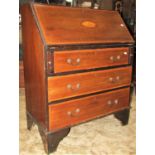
(60,87)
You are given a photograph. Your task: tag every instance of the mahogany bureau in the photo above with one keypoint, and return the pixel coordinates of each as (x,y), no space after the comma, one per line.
(77,67)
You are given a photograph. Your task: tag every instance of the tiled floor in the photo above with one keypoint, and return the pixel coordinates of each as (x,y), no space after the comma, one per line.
(104,136)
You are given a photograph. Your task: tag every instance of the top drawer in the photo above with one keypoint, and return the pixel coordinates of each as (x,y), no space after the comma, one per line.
(88,59)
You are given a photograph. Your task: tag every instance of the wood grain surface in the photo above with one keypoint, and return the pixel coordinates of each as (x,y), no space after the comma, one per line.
(66,25)
(87,59)
(34,65)
(66,86)
(76,111)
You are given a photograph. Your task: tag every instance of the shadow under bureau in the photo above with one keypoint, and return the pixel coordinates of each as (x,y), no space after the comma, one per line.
(77,67)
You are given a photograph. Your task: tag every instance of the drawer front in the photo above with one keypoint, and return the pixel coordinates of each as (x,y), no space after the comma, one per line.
(72,112)
(88,59)
(60,87)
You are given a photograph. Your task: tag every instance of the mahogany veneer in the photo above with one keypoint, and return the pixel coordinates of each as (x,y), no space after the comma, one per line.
(66,86)
(87,59)
(86,108)
(77,67)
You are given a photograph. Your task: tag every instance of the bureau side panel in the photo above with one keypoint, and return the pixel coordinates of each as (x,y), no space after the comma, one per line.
(34,67)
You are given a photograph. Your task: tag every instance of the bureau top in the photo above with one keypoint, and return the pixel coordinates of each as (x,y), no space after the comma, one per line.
(67,25)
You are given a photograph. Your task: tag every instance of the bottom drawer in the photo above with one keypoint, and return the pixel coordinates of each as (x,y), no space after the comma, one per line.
(83,109)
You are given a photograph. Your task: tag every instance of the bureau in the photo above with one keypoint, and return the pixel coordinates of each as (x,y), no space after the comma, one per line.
(77,67)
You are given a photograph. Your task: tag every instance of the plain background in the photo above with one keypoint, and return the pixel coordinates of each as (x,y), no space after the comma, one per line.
(9,77)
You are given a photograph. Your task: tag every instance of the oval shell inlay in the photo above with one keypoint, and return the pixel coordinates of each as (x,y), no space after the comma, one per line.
(88,24)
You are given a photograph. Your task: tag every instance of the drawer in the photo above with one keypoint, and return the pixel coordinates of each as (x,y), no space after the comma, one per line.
(88,59)
(60,87)
(86,108)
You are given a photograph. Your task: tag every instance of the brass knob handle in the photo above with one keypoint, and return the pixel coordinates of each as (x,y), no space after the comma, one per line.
(77,110)
(69,61)
(109,102)
(116,101)
(73,113)
(69,86)
(114,59)
(118,57)
(78,60)
(117,78)
(69,113)
(73,63)
(111,79)
(78,85)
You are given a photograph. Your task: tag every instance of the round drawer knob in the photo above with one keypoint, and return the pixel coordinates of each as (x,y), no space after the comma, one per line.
(69,113)
(111,79)
(116,101)
(69,86)
(77,110)
(118,57)
(69,61)
(78,85)
(117,78)
(112,58)
(109,102)
(78,60)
